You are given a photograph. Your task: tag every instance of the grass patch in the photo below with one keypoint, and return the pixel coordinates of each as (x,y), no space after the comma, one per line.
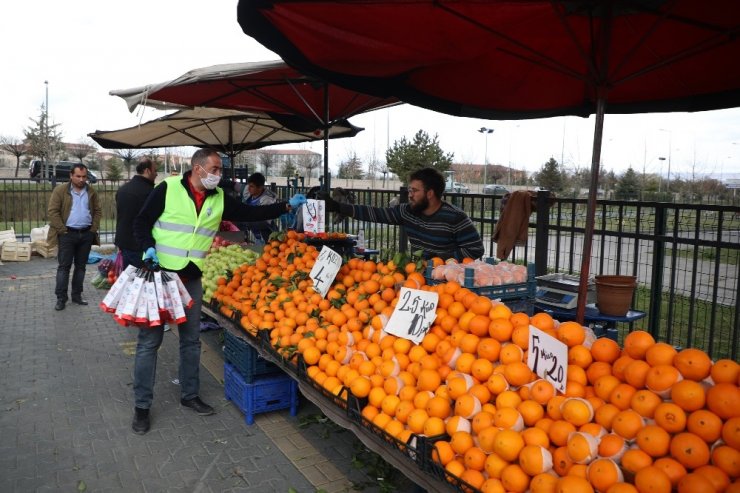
(725,256)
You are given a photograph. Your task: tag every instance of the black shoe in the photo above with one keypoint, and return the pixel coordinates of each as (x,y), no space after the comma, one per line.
(79,301)
(198,406)
(140,424)
(60,305)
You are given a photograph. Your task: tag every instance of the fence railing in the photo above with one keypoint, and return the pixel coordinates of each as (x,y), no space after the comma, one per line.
(686,256)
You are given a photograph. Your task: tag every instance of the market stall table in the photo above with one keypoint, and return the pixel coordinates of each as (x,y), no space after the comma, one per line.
(592,315)
(339,416)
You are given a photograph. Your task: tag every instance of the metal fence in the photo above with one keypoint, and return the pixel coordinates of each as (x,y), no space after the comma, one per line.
(686,256)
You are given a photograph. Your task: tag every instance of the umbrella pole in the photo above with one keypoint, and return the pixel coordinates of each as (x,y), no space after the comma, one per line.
(591,210)
(231,148)
(327,176)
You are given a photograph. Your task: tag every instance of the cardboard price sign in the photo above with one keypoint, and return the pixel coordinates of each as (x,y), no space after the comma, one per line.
(548,358)
(414,314)
(325,270)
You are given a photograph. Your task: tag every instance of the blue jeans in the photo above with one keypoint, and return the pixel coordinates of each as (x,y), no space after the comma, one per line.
(74,248)
(149,340)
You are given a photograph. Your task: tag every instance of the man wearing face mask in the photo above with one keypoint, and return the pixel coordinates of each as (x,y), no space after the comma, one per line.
(175,228)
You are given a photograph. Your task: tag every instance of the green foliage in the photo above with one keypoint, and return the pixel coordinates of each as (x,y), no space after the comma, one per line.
(351,169)
(628,186)
(406,157)
(115,171)
(289,169)
(44,140)
(551,176)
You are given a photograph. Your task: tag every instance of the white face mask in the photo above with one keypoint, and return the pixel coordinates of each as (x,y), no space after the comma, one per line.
(210,181)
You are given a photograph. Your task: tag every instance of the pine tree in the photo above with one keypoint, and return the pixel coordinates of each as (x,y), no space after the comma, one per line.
(406,157)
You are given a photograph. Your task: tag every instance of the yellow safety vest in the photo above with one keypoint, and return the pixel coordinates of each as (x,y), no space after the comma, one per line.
(181,234)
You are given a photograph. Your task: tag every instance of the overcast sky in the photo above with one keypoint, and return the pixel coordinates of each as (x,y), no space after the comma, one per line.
(85,48)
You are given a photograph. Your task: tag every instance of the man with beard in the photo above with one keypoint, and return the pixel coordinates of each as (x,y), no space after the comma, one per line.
(434,226)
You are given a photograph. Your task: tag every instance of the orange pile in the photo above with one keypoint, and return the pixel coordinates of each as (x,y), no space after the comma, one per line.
(643,418)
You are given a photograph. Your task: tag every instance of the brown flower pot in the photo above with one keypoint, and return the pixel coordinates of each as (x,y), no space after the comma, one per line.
(614,294)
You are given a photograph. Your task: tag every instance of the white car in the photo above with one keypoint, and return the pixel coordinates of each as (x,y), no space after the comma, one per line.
(457,187)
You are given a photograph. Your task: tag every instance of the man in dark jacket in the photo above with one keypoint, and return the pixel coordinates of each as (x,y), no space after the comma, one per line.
(129,200)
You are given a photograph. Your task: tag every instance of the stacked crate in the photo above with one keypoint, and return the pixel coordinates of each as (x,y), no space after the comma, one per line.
(11,249)
(254,384)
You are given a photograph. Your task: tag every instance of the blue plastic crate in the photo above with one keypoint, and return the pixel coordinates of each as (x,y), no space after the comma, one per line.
(245,359)
(269,393)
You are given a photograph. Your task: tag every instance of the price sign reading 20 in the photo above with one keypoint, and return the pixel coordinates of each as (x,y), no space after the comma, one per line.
(548,358)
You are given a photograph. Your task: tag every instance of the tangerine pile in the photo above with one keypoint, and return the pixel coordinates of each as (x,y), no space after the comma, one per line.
(643,418)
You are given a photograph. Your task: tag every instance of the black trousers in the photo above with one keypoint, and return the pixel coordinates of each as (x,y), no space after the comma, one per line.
(74,248)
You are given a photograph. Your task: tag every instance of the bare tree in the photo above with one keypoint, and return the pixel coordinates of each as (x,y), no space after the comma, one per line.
(308,162)
(81,150)
(267,160)
(127,156)
(16,147)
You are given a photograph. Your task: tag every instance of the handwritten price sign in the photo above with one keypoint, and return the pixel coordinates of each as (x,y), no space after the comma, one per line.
(548,358)
(414,314)
(325,270)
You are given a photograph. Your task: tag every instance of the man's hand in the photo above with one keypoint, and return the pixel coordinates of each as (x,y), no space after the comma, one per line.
(297,200)
(331,204)
(150,256)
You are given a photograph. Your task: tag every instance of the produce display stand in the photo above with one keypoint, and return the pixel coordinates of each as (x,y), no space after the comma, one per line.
(404,462)
(592,315)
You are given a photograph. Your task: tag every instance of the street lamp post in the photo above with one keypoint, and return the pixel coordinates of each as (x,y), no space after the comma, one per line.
(670,138)
(661,173)
(485,131)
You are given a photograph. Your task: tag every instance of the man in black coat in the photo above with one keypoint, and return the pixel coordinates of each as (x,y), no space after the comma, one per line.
(129,200)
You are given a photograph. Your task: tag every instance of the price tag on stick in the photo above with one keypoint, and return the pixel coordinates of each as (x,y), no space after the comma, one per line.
(548,358)
(414,314)
(325,270)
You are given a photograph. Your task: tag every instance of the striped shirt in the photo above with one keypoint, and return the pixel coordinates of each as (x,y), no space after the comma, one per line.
(448,233)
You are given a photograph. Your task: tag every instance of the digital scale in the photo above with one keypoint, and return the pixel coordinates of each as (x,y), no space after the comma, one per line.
(561,290)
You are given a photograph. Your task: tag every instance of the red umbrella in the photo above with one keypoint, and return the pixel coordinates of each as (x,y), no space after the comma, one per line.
(509,59)
(297,101)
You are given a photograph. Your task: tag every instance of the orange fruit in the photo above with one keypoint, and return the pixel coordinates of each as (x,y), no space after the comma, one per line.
(727,459)
(693,364)
(636,343)
(706,425)
(582,447)
(690,450)
(660,354)
(653,440)
(580,356)
(571,333)
(559,431)
(439,407)
(543,483)
(605,415)
(461,441)
(612,446)
(473,477)
(428,380)
(674,469)
(620,365)
(573,483)
(621,396)
(507,444)
(688,394)
(670,417)
(535,459)
(731,432)
(635,373)
(577,411)
(541,391)
(605,349)
(723,399)
(644,402)
(635,459)
(467,406)
(725,371)
(542,321)
(627,423)
(652,479)
(719,479)
(517,373)
(442,452)
(661,378)
(433,426)
(514,479)
(603,473)
(561,462)
(694,482)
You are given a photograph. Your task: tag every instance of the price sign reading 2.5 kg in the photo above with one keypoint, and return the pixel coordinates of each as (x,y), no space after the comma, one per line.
(548,358)
(325,270)
(414,314)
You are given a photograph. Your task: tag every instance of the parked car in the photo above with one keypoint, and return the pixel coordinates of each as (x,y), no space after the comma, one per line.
(495,190)
(62,171)
(457,187)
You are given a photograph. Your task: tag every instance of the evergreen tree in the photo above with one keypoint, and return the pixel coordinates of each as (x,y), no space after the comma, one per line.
(289,168)
(351,169)
(44,140)
(114,169)
(628,186)
(550,176)
(406,157)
